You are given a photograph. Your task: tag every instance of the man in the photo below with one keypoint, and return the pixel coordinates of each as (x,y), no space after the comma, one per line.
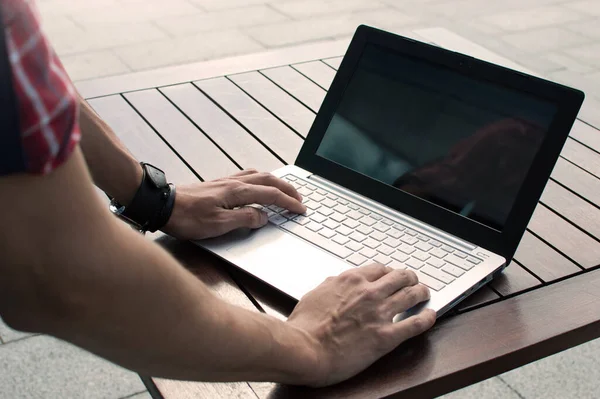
(71,270)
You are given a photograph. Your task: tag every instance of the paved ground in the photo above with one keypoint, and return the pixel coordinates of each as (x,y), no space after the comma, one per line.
(108,37)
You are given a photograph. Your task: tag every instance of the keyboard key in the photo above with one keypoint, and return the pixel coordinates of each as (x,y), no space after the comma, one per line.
(400,257)
(364,211)
(394,233)
(371,243)
(436,262)
(340,239)
(423,246)
(352,206)
(460,255)
(325,211)
(341,209)
(422,256)
(317,217)
(378,236)
(329,203)
(423,238)
(376,216)
(407,249)
(301,182)
(270,214)
(351,223)
(437,274)
(342,201)
(473,260)
(399,227)
(409,240)
(327,233)
(447,248)
(305,191)
(414,263)
(316,239)
(357,259)
(317,197)
(310,186)
(332,196)
(288,214)
(338,217)
(384,249)
(277,219)
(456,261)
(396,265)
(354,246)
(276,208)
(387,221)
(392,242)
(411,232)
(438,253)
(331,224)
(354,215)
(302,220)
(368,252)
(453,270)
(310,204)
(435,243)
(290,178)
(321,191)
(381,227)
(384,260)
(356,236)
(295,185)
(430,281)
(368,221)
(314,226)
(366,230)
(343,230)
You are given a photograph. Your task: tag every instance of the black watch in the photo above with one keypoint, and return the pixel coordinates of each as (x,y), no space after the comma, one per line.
(152,205)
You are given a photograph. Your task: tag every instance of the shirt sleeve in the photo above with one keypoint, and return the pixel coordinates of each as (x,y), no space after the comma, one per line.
(46,99)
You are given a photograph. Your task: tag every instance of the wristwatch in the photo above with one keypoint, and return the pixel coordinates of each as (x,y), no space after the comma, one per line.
(152,205)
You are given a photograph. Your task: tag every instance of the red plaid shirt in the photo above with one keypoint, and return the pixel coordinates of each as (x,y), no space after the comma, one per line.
(46,99)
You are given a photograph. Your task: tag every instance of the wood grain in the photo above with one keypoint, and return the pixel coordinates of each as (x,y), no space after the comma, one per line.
(224,131)
(542,260)
(482,296)
(565,237)
(317,71)
(288,109)
(578,180)
(513,280)
(297,85)
(182,135)
(270,130)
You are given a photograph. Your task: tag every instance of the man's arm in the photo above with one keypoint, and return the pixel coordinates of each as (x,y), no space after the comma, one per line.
(69,270)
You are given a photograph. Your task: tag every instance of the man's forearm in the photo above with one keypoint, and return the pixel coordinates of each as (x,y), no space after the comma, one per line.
(71,271)
(113,168)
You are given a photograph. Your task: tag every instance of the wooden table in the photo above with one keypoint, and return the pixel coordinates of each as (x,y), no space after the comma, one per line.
(209,120)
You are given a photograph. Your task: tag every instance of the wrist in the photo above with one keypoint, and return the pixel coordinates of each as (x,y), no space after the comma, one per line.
(131,180)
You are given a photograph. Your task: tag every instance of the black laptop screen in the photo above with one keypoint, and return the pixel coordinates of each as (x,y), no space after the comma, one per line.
(460,143)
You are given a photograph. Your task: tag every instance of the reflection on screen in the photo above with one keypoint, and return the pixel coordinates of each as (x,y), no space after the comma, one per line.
(461,143)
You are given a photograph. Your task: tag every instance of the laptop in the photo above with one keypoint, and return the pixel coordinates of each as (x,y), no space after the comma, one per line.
(419,158)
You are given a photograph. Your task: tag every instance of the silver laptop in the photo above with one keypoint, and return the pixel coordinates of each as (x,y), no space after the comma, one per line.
(419,158)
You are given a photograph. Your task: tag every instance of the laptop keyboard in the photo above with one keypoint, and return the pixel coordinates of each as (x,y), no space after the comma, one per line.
(360,236)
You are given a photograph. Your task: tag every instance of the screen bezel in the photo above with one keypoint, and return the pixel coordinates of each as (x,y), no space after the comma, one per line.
(567,100)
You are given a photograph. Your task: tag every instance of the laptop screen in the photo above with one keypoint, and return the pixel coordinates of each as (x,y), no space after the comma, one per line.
(463,144)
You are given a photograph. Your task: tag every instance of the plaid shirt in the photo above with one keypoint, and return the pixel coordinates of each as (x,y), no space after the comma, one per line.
(46,100)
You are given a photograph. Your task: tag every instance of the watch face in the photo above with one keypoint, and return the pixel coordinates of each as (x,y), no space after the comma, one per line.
(116,208)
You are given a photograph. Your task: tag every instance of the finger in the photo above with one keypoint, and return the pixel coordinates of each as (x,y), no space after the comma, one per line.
(264,195)
(245,217)
(407,298)
(395,281)
(245,172)
(372,272)
(267,179)
(413,326)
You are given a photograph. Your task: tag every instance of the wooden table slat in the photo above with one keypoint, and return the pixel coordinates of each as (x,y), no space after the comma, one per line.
(317,71)
(542,260)
(514,279)
(482,296)
(582,156)
(182,135)
(228,134)
(565,237)
(290,110)
(297,85)
(586,134)
(578,180)
(334,62)
(254,117)
(140,139)
(580,212)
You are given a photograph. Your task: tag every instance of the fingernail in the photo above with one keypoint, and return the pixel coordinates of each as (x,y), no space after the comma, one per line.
(263,218)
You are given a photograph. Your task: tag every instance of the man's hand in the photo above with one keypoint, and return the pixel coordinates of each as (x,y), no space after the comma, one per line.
(348,319)
(214,208)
